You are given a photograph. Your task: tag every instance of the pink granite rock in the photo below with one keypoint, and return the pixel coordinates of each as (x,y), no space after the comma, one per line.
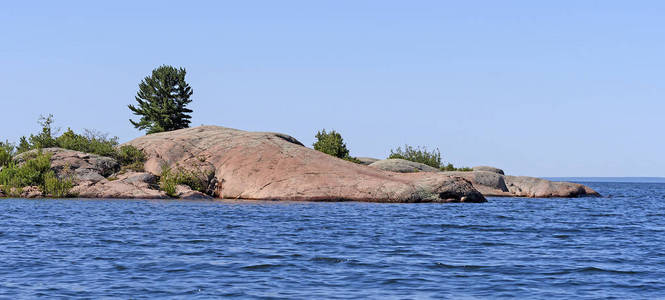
(263,165)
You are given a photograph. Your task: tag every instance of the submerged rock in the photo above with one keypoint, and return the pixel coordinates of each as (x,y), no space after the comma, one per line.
(273,166)
(402,166)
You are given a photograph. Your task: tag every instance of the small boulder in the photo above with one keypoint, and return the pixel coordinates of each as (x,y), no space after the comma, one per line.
(489,169)
(367,160)
(402,166)
(185,192)
(31,192)
(488,183)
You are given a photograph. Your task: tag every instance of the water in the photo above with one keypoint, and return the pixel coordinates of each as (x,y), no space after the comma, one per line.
(612,247)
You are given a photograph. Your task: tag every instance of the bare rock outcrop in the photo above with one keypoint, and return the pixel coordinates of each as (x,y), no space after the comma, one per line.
(126,186)
(488,169)
(81,166)
(487,183)
(367,160)
(402,166)
(523,186)
(263,165)
(491,181)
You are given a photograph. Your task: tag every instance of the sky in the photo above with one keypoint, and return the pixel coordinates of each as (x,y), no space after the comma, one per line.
(538,88)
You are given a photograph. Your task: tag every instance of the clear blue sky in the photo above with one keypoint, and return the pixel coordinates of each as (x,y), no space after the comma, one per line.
(541,88)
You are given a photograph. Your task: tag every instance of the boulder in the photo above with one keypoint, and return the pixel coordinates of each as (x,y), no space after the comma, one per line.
(273,166)
(130,185)
(402,166)
(487,183)
(522,186)
(185,192)
(488,169)
(2,195)
(81,166)
(31,192)
(367,160)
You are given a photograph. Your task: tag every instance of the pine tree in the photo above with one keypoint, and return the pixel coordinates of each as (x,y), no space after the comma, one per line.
(162,99)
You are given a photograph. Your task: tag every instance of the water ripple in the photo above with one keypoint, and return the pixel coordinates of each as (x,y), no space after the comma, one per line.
(525,248)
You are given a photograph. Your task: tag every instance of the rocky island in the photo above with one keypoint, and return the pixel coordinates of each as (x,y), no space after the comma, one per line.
(235,164)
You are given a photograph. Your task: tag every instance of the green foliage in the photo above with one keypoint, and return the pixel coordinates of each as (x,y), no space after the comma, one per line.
(450,167)
(130,158)
(90,141)
(35,171)
(162,99)
(29,173)
(333,144)
(55,187)
(23,145)
(6,153)
(45,138)
(418,154)
(170,178)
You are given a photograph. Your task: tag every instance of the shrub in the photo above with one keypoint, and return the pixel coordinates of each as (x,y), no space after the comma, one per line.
(333,144)
(55,187)
(23,146)
(170,178)
(45,138)
(6,153)
(35,171)
(130,157)
(90,141)
(450,167)
(29,173)
(418,154)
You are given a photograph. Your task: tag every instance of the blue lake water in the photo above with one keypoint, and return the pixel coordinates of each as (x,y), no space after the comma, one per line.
(610,247)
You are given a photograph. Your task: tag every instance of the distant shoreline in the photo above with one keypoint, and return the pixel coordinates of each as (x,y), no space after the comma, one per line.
(610,179)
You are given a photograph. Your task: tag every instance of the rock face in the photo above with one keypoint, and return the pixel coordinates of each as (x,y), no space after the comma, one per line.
(402,166)
(81,166)
(127,186)
(263,165)
(488,169)
(367,160)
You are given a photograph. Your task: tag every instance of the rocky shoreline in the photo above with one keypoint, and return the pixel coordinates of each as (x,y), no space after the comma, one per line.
(236,164)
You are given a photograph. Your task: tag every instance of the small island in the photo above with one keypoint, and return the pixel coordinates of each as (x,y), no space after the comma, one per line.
(208,162)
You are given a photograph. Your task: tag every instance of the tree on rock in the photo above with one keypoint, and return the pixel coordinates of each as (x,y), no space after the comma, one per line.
(162,99)
(332,143)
